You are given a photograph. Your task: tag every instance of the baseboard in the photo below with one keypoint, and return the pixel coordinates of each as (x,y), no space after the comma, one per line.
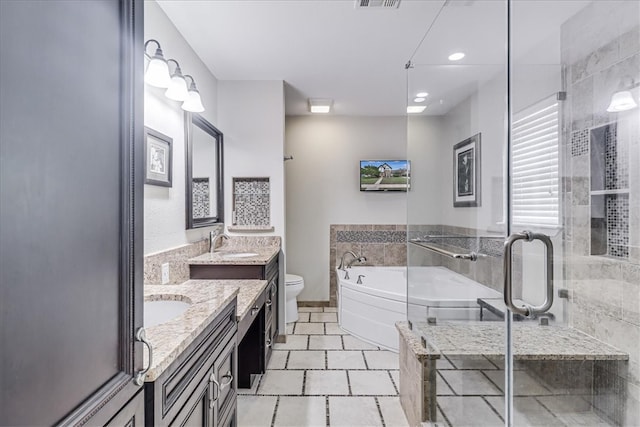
(314,304)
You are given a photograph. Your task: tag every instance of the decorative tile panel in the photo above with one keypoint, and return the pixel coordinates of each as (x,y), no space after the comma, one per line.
(617,206)
(251,202)
(371,236)
(200,197)
(580,142)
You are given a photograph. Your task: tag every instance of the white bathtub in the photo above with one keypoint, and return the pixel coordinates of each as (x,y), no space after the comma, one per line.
(369,310)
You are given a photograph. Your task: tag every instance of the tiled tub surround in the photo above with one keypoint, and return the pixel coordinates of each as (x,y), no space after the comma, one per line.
(600,46)
(562,377)
(207,298)
(266,249)
(487,270)
(382,245)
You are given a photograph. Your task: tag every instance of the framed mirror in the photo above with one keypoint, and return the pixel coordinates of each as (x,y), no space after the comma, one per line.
(204,158)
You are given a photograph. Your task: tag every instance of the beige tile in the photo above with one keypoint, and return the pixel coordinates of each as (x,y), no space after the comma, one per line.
(309,328)
(309,309)
(330,309)
(324,317)
(395,254)
(301,411)
(469,383)
(278,359)
(326,383)
(523,383)
(303,316)
(294,342)
(306,360)
(353,343)
(469,411)
(374,252)
(256,410)
(353,412)
(382,359)
(392,412)
(527,412)
(334,329)
(395,376)
(281,382)
(442,389)
(325,342)
(289,328)
(345,360)
(371,383)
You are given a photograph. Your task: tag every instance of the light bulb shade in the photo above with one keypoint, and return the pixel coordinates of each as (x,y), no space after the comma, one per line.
(177,90)
(621,101)
(193,103)
(157,73)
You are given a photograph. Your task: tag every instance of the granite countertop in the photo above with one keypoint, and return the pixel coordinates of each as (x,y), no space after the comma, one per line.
(530,341)
(207,298)
(265,248)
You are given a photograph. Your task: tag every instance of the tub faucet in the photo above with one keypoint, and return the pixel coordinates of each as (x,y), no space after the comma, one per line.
(355,258)
(213,240)
(359,281)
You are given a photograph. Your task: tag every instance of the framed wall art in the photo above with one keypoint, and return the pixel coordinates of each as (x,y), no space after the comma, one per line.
(158,158)
(466,172)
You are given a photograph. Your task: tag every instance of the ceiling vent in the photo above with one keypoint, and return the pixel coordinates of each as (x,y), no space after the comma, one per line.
(377,4)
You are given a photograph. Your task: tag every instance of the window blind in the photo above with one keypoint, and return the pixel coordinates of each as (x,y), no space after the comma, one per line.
(534,164)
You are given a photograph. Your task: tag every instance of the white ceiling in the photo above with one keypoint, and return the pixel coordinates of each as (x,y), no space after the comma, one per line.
(330,49)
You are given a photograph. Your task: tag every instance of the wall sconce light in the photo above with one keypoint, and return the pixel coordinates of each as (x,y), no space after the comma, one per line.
(193,103)
(622,100)
(320,105)
(157,73)
(177,90)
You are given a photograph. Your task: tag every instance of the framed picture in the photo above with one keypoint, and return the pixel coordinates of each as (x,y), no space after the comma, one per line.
(466,172)
(158,158)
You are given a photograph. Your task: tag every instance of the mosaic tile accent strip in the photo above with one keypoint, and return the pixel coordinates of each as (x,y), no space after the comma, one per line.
(616,160)
(201,201)
(251,202)
(580,142)
(371,236)
(618,225)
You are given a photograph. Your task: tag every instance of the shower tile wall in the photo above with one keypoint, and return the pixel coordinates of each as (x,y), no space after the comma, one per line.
(383,245)
(600,46)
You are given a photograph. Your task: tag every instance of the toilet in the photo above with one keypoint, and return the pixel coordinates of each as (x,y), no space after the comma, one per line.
(294,285)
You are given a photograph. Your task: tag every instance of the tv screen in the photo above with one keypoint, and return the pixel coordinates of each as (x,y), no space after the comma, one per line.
(384,175)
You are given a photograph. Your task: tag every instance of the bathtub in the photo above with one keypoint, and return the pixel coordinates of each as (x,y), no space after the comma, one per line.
(369,310)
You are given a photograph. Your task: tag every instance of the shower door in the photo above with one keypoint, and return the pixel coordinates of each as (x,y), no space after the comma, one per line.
(524,212)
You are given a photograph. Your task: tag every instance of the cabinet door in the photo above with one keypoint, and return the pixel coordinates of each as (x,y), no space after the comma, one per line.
(70,237)
(225,369)
(197,411)
(131,415)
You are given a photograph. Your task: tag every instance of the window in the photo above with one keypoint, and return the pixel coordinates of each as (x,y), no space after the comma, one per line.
(534,164)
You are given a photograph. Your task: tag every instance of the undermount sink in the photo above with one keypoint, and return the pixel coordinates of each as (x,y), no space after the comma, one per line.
(158,312)
(238,254)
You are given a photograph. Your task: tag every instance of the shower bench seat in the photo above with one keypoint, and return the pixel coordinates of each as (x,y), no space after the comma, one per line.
(563,358)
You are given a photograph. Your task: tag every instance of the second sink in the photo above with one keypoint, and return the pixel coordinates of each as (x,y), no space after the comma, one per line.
(158,312)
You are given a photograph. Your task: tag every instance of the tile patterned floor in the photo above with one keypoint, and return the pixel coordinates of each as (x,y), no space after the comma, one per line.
(322,376)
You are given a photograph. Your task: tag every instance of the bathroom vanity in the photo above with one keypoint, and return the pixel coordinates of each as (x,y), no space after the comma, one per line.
(258,326)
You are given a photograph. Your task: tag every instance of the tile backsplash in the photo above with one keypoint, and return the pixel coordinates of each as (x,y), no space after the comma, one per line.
(251,202)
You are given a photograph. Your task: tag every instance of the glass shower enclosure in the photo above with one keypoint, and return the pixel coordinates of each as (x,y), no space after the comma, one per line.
(523,250)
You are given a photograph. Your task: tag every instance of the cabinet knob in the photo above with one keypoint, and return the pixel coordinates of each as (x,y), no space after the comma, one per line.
(268,303)
(227,380)
(254,310)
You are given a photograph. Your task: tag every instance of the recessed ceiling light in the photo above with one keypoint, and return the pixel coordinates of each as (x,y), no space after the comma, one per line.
(320,105)
(414,109)
(422,94)
(456,56)
(419,99)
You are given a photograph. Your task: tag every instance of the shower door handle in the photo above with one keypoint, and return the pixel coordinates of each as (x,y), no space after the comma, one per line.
(528,310)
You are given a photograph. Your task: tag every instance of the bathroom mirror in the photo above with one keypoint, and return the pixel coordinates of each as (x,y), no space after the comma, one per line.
(204,160)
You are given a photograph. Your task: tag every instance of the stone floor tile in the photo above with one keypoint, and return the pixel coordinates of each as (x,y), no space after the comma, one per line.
(326,383)
(523,383)
(470,383)
(325,342)
(370,383)
(301,411)
(306,360)
(392,412)
(309,309)
(256,410)
(294,342)
(383,359)
(353,343)
(527,412)
(331,309)
(345,359)
(278,359)
(281,382)
(334,329)
(309,328)
(353,412)
(469,411)
(323,317)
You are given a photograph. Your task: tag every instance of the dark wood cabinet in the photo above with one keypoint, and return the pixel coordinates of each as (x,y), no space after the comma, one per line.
(199,388)
(71,197)
(258,330)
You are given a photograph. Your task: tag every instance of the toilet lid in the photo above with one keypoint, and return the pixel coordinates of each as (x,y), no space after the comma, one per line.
(292,279)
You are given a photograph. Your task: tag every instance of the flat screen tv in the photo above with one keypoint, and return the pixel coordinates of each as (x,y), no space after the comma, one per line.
(384,175)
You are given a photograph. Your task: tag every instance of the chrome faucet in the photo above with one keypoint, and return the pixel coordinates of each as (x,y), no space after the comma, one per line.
(355,258)
(359,281)
(213,240)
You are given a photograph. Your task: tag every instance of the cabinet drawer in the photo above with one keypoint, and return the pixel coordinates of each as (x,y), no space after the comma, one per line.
(269,340)
(270,302)
(252,315)
(225,370)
